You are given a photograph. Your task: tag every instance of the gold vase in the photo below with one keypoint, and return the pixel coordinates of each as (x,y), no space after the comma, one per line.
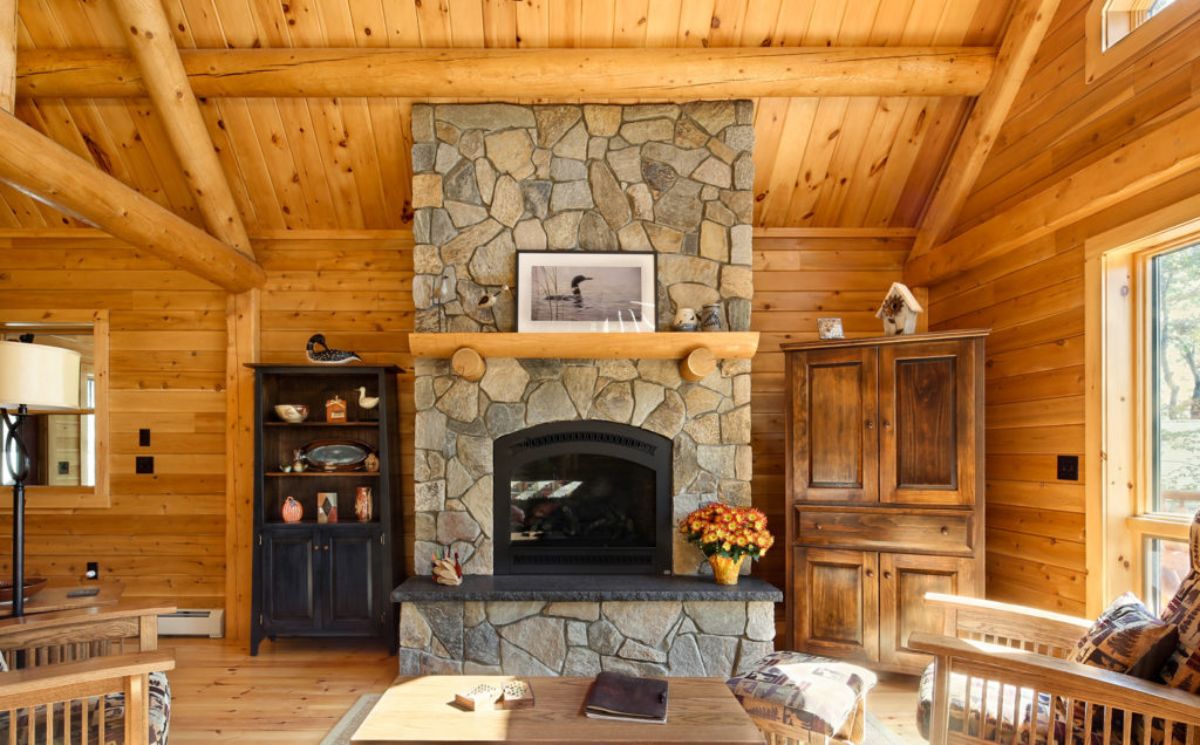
(725,569)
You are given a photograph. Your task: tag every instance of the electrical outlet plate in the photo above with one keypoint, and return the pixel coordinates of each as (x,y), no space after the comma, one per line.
(144,464)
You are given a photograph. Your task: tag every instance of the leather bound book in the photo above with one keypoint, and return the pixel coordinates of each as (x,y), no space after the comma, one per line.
(627,698)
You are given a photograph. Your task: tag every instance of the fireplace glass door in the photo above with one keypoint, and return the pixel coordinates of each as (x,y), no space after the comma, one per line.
(582,497)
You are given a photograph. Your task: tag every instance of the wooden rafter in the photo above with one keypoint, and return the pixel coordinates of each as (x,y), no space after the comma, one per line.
(1026,29)
(166,82)
(554,74)
(1164,154)
(45,170)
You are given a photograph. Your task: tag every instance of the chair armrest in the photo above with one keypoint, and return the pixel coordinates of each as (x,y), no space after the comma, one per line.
(81,625)
(75,680)
(1061,678)
(1016,625)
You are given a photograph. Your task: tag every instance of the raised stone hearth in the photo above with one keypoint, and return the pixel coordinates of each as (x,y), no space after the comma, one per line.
(580,626)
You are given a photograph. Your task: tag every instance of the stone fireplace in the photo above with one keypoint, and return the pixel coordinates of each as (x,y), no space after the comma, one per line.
(490,179)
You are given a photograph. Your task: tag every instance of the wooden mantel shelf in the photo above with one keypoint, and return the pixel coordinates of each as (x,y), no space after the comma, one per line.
(696,351)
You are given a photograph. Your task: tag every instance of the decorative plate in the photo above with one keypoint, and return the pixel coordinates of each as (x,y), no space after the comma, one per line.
(336,455)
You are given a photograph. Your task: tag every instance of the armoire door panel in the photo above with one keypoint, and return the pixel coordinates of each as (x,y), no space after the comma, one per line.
(904,579)
(837,603)
(836,444)
(927,438)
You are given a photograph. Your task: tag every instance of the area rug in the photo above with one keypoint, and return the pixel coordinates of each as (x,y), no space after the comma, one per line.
(354,716)
(877,733)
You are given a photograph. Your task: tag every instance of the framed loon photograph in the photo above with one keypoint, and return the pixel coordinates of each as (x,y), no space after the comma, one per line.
(597,291)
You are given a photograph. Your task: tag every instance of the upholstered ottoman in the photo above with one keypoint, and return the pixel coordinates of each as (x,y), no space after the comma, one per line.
(798,697)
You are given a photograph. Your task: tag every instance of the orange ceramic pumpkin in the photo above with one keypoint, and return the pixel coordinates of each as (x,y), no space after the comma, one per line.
(292,510)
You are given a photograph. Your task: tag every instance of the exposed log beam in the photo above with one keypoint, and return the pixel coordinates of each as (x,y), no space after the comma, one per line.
(8,55)
(1156,158)
(548,74)
(45,170)
(167,84)
(1026,29)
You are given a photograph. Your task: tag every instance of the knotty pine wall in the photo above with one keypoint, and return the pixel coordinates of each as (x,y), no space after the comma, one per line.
(1033,296)
(164,534)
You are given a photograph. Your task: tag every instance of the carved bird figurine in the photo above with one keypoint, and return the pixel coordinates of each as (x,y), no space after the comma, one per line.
(490,299)
(365,401)
(319,352)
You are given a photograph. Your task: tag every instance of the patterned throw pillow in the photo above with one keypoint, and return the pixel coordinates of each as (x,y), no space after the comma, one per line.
(1182,670)
(1128,639)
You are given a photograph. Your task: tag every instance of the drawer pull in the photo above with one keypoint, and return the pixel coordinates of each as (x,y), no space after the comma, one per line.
(816,526)
(945,530)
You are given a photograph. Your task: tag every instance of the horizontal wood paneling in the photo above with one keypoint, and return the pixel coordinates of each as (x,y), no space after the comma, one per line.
(164,535)
(1033,299)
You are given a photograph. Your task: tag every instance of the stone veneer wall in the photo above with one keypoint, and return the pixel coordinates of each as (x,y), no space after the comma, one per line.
(641,637)
(491,178)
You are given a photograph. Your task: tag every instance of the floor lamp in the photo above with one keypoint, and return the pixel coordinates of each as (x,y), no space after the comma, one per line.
(38,377)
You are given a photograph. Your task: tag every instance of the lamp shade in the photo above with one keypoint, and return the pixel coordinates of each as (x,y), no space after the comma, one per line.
(39,376)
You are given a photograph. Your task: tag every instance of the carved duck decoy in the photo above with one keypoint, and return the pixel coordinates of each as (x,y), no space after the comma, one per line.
(320,353)
(490,299)
(365,401)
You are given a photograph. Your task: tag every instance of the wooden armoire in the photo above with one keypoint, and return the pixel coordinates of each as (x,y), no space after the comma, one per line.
(884,490)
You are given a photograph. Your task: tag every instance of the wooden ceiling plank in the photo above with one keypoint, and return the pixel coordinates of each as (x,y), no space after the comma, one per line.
(38,166)
(848,148)
(232,125)
(630,18)
(1026,29)
(1152,160)
(878,148)
(816,168)
(727,19)
(565,74)
(695,23)
(760,23)
(296,121)
(785,174)
(235,174)
(150,42)
(532,25)
(391,119)
(770,116)
(330,135)
(901,162)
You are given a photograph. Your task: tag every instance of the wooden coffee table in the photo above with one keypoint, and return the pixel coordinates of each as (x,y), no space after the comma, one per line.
(699,710)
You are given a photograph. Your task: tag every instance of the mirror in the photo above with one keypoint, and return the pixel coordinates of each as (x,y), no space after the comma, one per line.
(66,449)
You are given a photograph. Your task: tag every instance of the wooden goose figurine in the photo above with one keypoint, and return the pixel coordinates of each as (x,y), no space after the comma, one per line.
(325,355)
(365,401)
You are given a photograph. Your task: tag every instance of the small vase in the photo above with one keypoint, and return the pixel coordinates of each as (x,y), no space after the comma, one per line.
(725,569)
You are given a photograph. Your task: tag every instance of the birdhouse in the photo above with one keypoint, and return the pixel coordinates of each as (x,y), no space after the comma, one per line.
(899,311)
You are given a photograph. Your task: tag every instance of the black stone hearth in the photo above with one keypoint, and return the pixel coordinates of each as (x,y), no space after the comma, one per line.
(582,498)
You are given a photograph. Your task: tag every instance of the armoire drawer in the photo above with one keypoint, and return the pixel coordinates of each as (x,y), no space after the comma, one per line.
(885,529)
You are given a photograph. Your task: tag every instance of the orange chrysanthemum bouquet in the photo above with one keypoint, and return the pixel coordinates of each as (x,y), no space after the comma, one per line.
(727,535)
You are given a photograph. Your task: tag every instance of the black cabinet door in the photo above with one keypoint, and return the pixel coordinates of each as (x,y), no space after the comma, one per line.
(349,598)
(290,575)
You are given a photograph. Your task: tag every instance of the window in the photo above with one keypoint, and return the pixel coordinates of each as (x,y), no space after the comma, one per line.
(1175,382)
(1118,30)
(1167,563)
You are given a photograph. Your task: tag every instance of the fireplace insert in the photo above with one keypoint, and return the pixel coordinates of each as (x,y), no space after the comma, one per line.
(582,498)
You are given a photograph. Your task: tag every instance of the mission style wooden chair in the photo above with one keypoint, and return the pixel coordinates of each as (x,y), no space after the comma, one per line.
(92,676)
(1019,656)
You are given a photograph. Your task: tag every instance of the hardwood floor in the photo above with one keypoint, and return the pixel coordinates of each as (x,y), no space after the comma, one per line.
(295,691)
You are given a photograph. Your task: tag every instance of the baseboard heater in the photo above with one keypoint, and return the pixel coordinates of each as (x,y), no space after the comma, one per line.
(208,622)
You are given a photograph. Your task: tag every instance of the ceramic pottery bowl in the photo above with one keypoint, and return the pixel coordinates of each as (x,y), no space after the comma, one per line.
(292,413)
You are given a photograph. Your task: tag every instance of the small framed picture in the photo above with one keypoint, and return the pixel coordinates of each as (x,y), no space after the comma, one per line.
(327,507)
(586,291)
(830,328)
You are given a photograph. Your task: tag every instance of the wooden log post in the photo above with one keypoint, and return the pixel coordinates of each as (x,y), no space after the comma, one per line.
(36,165)
(697,364)
(468,364)
(166,83)
(8,55)
(682,74)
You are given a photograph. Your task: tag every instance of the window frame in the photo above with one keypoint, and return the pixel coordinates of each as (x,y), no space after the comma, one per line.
(1119,326)
(40,498)
(1102,58)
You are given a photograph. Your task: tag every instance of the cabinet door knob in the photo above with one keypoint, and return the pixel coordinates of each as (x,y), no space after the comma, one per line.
(870,573)
(945,530)
(887,424)
(887,575)
(326,546)
(316,547)
(870,423)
